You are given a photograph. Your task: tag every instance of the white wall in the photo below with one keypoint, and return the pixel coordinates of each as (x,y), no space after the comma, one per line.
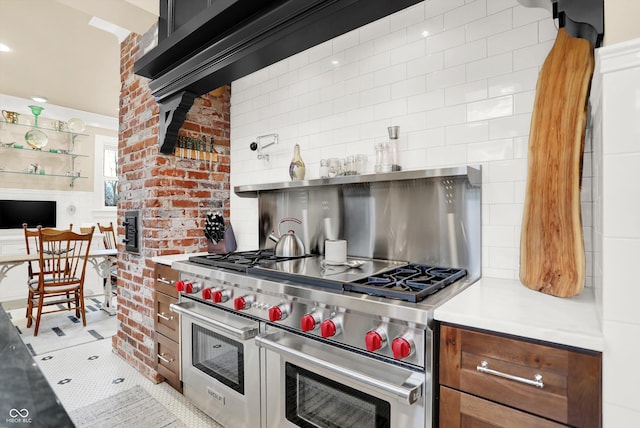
(458,77)
(615,94)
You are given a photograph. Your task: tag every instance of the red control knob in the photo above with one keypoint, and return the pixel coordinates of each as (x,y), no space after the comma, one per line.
(275,314)
(206,293)
(216,296)
(401,348)
(179,286)
(328,328)
(239,303)
(373,340)
(188,288)
(307,322)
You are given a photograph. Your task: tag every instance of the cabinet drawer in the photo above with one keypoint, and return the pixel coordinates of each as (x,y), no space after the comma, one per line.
(168,360)
(167,322)
(570,381)
(458,410)
(165,280)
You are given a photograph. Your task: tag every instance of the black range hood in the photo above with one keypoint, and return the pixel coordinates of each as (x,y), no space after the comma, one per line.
(233,38)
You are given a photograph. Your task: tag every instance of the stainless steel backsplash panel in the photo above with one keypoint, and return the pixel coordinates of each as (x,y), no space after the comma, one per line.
(430,217)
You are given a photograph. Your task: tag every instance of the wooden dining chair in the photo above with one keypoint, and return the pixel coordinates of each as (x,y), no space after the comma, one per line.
(63,257)
(31,245)
(110,243)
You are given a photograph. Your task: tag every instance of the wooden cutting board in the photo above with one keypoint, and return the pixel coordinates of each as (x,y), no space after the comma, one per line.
(552,258)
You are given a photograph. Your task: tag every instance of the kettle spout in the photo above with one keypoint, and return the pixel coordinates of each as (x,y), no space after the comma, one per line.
(272,236)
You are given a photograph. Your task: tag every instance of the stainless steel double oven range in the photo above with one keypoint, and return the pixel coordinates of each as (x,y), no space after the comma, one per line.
(269,341)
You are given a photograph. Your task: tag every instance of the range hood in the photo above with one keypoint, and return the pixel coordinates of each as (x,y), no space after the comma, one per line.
(234,38)
(229,39)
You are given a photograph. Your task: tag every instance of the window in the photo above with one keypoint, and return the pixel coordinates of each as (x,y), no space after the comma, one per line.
(110,176)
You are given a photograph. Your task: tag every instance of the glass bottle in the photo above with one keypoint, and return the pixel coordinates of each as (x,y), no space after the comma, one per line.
(296,167)
(394,133)
(324,168)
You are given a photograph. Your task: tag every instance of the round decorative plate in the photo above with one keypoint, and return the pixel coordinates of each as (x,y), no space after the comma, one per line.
(36,139)
(75,125)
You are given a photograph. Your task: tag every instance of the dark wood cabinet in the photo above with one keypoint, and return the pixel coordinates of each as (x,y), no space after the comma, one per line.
(167,326)
(493,380)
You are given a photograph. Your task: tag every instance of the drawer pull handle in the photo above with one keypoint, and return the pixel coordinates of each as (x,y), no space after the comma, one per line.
(164,317)
(168,361)
(164,281)
(537,379)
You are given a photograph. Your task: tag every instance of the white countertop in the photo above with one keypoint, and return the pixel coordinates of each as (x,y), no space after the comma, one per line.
(507,306)
(167,260)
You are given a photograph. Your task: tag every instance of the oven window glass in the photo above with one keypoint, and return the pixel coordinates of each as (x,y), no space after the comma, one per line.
(219,357)
(313,401)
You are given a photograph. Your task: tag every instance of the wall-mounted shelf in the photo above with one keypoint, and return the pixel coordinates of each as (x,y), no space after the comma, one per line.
(12,144)
(37,174)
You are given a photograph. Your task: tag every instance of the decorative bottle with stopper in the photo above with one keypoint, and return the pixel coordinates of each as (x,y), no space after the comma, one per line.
(394,133)
(296,167)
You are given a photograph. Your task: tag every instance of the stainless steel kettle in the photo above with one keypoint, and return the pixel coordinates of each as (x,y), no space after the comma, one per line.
(288,244)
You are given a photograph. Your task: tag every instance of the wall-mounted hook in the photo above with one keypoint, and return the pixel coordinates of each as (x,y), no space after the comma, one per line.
(260,146)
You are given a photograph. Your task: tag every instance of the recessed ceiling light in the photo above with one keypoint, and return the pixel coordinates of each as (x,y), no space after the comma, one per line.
(4,48)
(39,99)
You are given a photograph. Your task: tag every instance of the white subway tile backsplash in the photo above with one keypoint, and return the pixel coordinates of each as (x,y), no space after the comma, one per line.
(490,109)
(509,127)
(466,93)
(446,116)
(511,40)
(396,73)
(408,17)
(494,6)
(425,65)
(445,40)
(439,7)
(457,76)
(408,87)
(426,138)
(498,193)
(465,53)
(445,78)
(408,52)
(532,56)
(425,28)
(470,12)
(525,15)
(489,67)
(492,24)
(428,101)
(446,156)
(391,41)
(467,133)
(511,83)
(523,102)
(488,151)
(547,30)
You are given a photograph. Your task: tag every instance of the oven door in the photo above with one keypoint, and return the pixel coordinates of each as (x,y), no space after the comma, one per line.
(220,364)
(308,383)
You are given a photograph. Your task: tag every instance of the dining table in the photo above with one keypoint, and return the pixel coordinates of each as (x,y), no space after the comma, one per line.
(100,259)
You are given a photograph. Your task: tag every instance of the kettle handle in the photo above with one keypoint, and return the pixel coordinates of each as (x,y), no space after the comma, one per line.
(295,220)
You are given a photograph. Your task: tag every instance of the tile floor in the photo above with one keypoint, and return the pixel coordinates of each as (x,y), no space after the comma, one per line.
(86,373)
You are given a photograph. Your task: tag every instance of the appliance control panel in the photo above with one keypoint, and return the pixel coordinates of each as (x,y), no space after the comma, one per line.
(366,332)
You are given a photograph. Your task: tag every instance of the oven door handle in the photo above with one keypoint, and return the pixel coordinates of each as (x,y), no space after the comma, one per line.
(409,392)
(187,309)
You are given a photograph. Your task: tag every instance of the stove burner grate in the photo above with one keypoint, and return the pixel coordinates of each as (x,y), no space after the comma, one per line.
(238,261)
(412,283)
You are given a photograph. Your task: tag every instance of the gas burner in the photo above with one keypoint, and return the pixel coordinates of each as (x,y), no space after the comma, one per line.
(239,261)
(411,282)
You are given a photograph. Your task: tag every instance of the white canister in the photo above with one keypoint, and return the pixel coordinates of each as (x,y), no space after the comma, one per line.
(335,251)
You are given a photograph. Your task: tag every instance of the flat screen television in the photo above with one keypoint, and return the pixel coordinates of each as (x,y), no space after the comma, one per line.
(34,213)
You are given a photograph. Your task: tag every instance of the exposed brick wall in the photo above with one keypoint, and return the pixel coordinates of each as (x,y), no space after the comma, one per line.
(172,195)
